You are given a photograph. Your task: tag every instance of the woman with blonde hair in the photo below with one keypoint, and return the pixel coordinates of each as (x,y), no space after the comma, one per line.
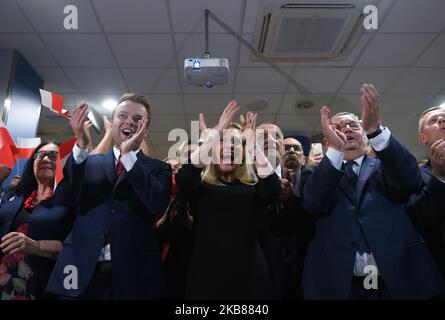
(228,197)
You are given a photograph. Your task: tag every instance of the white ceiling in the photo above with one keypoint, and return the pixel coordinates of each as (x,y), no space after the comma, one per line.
(140,45)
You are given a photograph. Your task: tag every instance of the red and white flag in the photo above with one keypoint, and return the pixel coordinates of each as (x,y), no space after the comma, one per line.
(53,101)
(26,146)
(8,149)
(64,150)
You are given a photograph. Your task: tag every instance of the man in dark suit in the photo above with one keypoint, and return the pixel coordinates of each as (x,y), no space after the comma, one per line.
(364,246)
(291,225)
(427,208)
(112,248)
(284,228)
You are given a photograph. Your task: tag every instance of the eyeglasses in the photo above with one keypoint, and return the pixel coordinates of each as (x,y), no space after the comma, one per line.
(52,155)
(296,147)
(352,124)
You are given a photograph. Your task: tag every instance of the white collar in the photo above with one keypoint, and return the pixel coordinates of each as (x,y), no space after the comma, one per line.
(278,170)
(358,160)
(117,153)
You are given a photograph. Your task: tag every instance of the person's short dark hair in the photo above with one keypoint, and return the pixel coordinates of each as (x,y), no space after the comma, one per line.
(28,181)
(138,98)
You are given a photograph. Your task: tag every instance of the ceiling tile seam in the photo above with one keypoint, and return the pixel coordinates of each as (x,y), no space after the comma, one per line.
(243,68)
(238,49)
(354,64)
(412,66)
(107,39)
(45,44)
(175,52)
(283,94)
(122,33)
(102,68)
(167,65)
(187,94)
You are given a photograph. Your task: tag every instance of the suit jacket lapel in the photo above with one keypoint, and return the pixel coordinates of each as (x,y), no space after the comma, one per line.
(120,179)
(426,171)
(10,209)
(347,188)
(366,170)
(109,166)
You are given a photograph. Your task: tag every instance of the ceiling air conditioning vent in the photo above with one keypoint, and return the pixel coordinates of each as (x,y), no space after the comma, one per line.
(292,32)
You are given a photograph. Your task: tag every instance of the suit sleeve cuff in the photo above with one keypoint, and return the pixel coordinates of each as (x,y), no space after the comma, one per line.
(335,157)
(128,160)
(382,140)
(79,155)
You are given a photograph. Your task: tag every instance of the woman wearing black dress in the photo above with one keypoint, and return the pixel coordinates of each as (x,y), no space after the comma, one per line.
(227,262)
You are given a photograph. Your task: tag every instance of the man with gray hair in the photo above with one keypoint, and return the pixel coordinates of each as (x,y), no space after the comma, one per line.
(427,208)
(364,245)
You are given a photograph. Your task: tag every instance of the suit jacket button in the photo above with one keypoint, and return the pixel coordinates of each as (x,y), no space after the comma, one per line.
(113,211)
(102,237)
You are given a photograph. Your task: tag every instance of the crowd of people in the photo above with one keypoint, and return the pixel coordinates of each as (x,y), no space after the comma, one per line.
(242,214)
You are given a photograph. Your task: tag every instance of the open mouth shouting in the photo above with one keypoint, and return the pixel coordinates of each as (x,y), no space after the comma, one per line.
(127,133)
(228,157)
(350,138)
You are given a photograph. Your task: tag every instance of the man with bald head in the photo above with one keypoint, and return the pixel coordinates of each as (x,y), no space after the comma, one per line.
(268,132)
(293,153)
(364,246)
(284,224)
(294,225)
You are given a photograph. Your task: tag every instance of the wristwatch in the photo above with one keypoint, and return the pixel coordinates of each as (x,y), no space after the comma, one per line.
(375,133)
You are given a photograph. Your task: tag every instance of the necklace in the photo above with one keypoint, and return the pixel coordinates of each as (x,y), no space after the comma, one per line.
(32,201)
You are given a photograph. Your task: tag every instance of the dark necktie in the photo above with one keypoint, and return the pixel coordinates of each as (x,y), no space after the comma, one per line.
(362,245)
(119,167)
(349,172)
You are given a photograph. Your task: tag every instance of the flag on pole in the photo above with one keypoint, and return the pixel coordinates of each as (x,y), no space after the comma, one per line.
(64,150)
(53,101)
(26,146)
(8,149)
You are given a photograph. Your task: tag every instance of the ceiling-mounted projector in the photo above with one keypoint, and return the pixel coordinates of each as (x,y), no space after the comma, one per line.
(206,71)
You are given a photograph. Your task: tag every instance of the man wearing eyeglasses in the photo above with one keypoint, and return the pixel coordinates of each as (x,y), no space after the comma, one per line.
(364,246)
(292,225)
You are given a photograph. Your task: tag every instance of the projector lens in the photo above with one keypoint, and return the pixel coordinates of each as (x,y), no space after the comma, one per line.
(196,64)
